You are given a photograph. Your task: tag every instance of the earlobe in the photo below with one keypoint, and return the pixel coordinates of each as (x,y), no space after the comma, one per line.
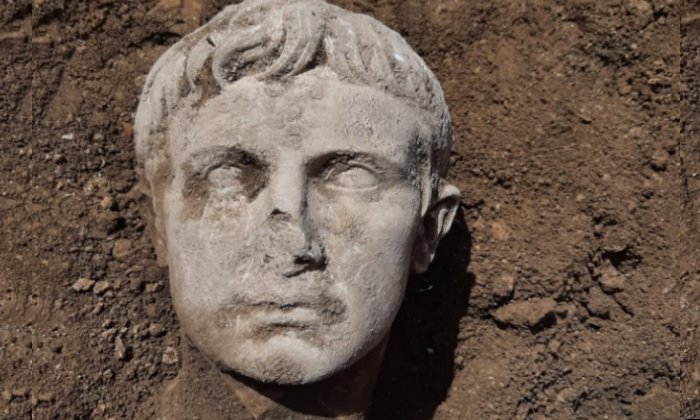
(436,224)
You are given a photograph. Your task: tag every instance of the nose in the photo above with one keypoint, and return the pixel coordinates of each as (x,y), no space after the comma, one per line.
(290,220)
(287,191)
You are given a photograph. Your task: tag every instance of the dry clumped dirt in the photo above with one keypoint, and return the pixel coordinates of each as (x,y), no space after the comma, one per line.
(555,297)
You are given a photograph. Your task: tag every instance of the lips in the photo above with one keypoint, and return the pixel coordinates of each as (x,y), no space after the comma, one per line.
(299,312)
(297,317)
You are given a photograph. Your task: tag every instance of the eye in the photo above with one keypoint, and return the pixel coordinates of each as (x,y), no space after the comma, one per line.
(226,179)
(352,177)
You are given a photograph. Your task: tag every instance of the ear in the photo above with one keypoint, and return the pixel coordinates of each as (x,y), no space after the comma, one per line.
(436,223)
(154,225)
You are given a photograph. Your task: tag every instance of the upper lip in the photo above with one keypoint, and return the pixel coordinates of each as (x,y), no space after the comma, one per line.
(279,305)
(274,302)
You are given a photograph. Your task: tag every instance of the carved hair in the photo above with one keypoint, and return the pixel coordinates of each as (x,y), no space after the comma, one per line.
(274,40)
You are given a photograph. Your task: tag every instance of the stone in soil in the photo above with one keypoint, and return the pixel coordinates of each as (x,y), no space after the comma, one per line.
(611,280)
(120,349)
(156,330)
(101,287)
(83,284)
(20,392)
(504,286)
(107,202)
(599,304)
(121,249)
(529,313)
(170,356)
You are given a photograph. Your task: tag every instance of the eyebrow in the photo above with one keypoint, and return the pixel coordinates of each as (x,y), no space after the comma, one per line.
(203,161)
(377,162)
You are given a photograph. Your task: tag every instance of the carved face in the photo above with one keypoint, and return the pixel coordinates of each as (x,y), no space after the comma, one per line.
(290,224)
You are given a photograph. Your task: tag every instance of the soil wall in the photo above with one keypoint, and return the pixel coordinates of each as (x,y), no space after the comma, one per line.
(689,169)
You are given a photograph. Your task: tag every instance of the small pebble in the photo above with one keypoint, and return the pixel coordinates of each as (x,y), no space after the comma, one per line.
(106,202)
(553,346)
(101,287)
(599,304)
(503,286)
(170,356)
(154,287)
(611,280)
(156,330)
(46,397)
(20,392)
(83,284)
(121,249)
(526,313)
(120,350)
(108,334)
(659,161)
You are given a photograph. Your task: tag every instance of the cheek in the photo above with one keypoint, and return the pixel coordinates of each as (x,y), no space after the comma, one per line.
(369,243)
(368,240)
(376,219)
(201,249)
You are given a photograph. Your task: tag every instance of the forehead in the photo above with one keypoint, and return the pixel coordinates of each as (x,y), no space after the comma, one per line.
(310,115)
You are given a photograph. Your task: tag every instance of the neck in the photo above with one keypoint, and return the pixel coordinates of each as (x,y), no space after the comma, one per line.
(203,390)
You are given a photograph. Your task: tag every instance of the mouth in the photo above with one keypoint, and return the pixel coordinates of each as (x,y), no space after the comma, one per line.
(276,314)
(287,317)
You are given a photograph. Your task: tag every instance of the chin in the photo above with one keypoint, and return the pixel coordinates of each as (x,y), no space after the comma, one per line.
(284,360)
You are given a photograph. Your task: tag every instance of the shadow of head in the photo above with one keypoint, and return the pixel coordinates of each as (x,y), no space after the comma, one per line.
(418,366)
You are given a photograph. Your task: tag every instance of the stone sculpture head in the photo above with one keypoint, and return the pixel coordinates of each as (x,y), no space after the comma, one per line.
(294,154)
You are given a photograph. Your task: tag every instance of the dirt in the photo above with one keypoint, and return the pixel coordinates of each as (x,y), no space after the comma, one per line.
(555,296)
(690,202)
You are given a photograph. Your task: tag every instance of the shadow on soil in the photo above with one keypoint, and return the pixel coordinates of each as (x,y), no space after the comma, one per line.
(419,364)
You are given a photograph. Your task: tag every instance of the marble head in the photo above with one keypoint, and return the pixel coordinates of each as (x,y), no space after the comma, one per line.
(295,155)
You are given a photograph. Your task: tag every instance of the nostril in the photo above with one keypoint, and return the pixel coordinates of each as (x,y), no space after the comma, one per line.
(313,258)
(313,255)
(305,259)
(277,214)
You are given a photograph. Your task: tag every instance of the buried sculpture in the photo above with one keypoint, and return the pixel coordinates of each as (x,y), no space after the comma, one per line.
(294,154)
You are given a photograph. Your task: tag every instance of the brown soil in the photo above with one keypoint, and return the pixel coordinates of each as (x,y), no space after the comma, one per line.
(556,296)
(690,201)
